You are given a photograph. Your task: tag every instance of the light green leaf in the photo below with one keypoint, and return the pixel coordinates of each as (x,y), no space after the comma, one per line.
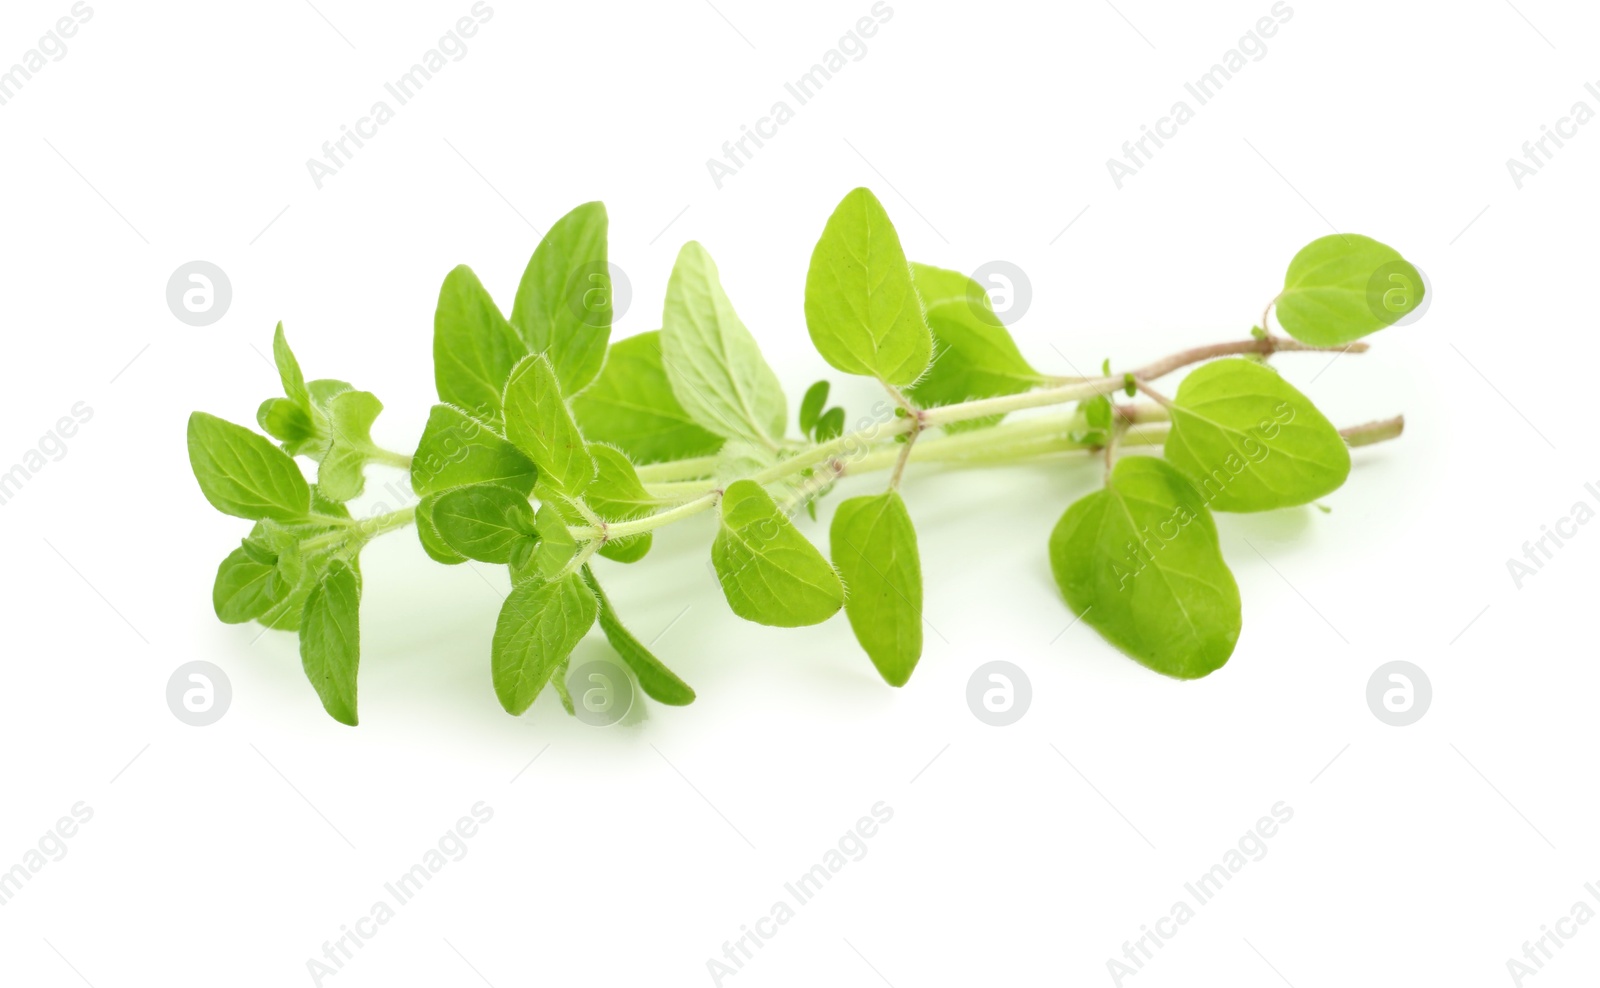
(631,406)
(539,423)
(457,449)
(558,679)
(658,682)
(246,587)
(294,382)
(974,355)
(770,573)
(1341,287)
(861,308)
(539,626)
(617,495)
(341,472)
(324,390)
(484,521)
(563,306)
(474,348)
(875,547)
(713,362)
(330,640)
(1250,442)
(1139,562)
(556,544)
(290,424)
(244,474)
(428,533)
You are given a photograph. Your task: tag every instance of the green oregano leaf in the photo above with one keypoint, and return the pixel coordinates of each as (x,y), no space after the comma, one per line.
(556,544)
(457,449)
(715,366)
(1249,441)
(474,348)
(428,534)
(875,547)
(617,495)
(631,406)
(540,623)
(811,406)
(294,382)
(769,572)
(244,474)
(861,308)
(1341,287)
(539,423)
(973,353)
(341,471)
(290,424)
(484,521)
(563,307)
(658,682)
(558,680)
(330,639)
(1139,562)
(830,426)
(246,585)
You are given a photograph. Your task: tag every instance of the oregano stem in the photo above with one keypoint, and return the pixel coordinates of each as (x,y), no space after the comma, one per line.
(389,457)
(692,468)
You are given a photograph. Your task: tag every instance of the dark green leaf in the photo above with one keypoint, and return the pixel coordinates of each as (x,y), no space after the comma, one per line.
(831,425)
(811,406)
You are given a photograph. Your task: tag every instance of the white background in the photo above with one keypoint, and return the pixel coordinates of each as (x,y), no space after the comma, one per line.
(1025,855)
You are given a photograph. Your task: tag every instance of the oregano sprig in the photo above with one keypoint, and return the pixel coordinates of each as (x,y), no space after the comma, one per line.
(552,447)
